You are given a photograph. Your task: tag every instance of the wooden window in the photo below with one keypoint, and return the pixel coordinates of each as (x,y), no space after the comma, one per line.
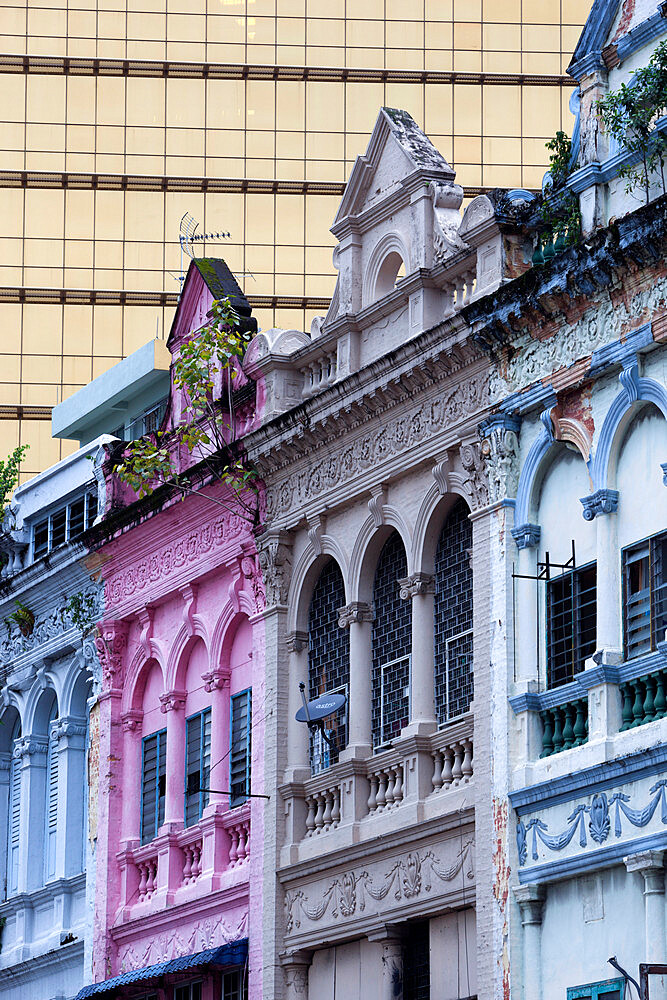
(197,765)
(240,748)
(153,784)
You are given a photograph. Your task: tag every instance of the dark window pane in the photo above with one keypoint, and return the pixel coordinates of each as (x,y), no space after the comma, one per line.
(659,588)
(637,601)
(41,539)
(328,662)
(58,527)
(392,643)
(91,508)
(453,616)
(240,749)
(571,623)
(153,784)
(416,964)
(76,518)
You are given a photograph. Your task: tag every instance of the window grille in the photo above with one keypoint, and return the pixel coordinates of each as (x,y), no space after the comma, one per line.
(571,623)
(235,985)
(453,616)
(416,962)
(64,523)
(645,595)
(153,784)
(608,989)
(197,765)
(392,643)
(239,775)
(147,422)
(328,662)
(51,805)
(14,838)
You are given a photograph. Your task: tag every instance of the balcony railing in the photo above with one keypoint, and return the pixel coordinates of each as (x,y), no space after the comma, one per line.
(414,770)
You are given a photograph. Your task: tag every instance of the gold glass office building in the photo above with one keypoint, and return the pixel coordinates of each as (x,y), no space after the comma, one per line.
(118,116)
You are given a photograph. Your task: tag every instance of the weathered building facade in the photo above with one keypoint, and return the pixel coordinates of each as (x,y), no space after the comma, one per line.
(49,675)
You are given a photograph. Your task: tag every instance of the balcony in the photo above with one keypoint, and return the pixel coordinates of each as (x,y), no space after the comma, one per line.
(418,778)
(183,864)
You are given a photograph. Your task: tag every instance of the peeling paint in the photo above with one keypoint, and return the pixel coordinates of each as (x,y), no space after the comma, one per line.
(501,884)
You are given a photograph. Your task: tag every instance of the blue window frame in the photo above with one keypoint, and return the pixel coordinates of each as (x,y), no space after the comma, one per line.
(240,749)
(607,989)
(197,765)
(153,784)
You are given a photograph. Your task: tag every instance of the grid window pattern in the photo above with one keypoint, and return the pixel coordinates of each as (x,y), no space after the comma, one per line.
(153,784)
(235,985)
(328,662)
(64,524)
(154,124)
(191,991)
(392,644)
(571,623)
(240,750)
(645,595)
(197,765)
(454,679)
(416,962)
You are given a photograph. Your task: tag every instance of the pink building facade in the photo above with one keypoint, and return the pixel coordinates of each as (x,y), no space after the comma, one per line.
(180,826)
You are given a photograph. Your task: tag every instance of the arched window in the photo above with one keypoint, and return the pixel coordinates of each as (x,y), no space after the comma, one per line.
(14,813)
(453,616)
(392,644)
(328,662)
(51,803)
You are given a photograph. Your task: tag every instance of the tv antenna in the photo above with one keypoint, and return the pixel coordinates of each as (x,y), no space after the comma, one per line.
(188,237)
(313,713)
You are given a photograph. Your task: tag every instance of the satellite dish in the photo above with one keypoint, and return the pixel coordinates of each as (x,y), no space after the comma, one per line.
(313,713)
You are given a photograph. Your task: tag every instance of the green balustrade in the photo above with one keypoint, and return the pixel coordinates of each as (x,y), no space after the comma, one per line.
(564,727)
(644,699)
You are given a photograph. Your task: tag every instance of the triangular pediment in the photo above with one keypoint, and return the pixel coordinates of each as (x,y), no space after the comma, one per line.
(611,22)
(208,278)
(397,149)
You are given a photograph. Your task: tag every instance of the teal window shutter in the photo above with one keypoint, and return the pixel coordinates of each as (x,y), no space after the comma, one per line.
(197,765)
(153,784)
(607,989)
(239,777)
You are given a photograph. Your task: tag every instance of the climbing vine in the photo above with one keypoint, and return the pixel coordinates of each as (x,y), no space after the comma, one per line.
(630,115)
(205,368)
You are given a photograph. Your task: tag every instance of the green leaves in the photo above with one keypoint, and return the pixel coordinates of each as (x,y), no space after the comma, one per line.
(560,207)
(630,115)
(9,475)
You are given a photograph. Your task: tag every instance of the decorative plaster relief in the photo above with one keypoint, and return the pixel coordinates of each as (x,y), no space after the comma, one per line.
(592,819)
(500,451)
(171,558)
(173,943)
(606,322)
(54,624)
(275,560)
(348,894)
(396,436)
(474,465)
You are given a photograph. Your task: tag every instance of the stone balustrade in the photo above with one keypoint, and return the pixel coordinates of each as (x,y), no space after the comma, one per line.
(414,771)
(237,824)
(146,863)
(319,373)
(190,842)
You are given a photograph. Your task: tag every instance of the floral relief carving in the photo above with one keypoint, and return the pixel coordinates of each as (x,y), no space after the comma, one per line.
(351,892)
(500,451)
(396,436)
(52,625)
(173,557)
(172,943)
(111,643)
(275,560)
(476,479)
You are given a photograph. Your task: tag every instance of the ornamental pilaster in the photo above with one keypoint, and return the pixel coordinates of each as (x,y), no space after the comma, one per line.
(275,560)
(500,453)
(111,645)
(355,612)
(476,480)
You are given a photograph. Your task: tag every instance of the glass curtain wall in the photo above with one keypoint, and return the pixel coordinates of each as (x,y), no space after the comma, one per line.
(118,116)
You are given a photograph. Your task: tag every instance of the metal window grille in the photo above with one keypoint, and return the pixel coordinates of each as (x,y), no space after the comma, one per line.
(392,643)
(148,421)
(416,962)
(239,766)
(571,623)
(328,662)
(197,765)
(64,523)
(645,595)
(235,985)
(454,679)
(153,784)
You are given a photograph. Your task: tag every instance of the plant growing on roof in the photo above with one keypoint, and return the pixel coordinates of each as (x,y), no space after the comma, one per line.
(560,207)
(82,611)
(630,115)
(206,366)
(9,476)
(24,619)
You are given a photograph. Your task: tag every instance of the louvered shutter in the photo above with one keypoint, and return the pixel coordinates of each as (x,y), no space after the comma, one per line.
(240,748)
(14,824)
(197,764)
(51,808)
(153,784)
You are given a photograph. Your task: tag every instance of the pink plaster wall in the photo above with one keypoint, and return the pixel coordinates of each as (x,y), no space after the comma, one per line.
(182,631)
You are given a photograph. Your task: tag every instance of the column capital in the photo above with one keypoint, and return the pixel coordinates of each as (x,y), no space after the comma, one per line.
(387,933)
(295,970)
(215,680)
(29,746)
(296,642)
(416,585)
(131,720)
(356,611)
(600,502)
(274,552)
(531,902)
(111,643)
(649,864)
(526,536)
(172,701)
(68,725)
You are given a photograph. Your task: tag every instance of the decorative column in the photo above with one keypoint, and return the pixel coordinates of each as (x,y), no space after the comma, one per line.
(171,704)
(420,589)
(68,737)
(298,767)
(602,506)
(358,617)
(130,831)
(392,961)
(216,682)
(650,866)
(5,772)
(531,903)
(295,970)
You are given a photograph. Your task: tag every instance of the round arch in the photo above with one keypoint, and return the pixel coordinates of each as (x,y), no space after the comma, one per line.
(383,266)
(431,518)
(367,547)
(139,668)
(305,576)
(619,416)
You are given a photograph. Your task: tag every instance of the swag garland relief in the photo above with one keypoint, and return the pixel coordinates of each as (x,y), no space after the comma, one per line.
(349,894)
